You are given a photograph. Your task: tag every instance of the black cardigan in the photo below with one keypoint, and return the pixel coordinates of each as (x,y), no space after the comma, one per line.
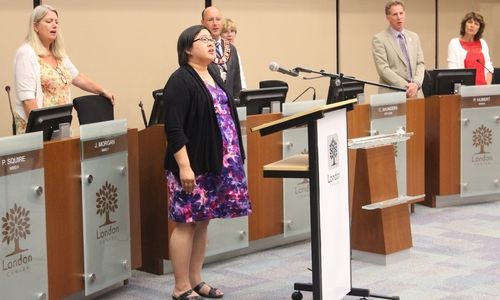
(190,120)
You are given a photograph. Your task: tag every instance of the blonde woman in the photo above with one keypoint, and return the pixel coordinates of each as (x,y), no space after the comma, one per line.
(43,72)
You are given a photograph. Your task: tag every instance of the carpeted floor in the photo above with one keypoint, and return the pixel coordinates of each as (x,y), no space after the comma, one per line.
(455,255)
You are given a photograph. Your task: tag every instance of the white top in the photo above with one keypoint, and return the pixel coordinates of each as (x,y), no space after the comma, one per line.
(457,54)
(242,75)
(27,82)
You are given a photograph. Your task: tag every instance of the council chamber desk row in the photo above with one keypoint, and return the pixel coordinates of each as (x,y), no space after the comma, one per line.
(280,206)
(70,213)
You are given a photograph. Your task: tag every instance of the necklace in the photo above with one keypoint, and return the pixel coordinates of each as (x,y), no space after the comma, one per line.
(226,55)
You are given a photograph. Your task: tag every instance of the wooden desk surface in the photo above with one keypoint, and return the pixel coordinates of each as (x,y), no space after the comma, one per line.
(299,162)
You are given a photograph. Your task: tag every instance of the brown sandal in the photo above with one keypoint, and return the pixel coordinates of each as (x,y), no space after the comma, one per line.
(184,296)
(212,294)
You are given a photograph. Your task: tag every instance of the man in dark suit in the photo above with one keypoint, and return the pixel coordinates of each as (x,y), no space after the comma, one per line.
(226,59)
(397,53)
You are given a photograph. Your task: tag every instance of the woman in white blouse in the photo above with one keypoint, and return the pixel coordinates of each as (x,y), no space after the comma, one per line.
(470,49)
(42,71)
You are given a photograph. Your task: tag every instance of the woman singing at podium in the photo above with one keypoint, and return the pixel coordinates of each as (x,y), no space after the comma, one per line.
(203,161)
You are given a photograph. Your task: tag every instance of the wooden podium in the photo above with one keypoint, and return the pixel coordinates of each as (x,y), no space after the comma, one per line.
(386,230)
(326,166)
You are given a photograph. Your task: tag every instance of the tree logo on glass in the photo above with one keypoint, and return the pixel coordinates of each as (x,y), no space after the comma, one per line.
(107,202)
(16,226)
(482,137)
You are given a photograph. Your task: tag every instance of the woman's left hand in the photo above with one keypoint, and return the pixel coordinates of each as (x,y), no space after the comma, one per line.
(110,96)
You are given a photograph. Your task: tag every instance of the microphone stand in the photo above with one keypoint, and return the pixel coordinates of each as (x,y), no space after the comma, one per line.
(336,81)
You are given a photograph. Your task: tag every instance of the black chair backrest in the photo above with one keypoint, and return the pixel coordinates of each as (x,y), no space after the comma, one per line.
(426,85)
(273,83)
(496,76)
(93,109)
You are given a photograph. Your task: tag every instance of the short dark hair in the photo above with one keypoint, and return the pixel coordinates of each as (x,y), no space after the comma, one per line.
(476,17)
(391,4)
(185,42)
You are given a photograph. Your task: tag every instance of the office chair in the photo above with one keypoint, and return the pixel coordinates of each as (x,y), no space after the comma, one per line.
(496,76)
(272,83)
(93,109)
(426,85)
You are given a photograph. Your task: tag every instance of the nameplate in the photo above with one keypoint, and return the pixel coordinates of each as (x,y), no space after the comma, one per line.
(21,162)
(104,146)
(480,101)
(388,111)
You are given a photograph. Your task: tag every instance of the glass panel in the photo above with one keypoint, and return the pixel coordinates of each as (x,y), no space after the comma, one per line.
(297,219)
(301,106)
(23,252)
(226,235)
(480,90)
(296,198)
(105,194)
(480,133)
(388,115)
(230,234)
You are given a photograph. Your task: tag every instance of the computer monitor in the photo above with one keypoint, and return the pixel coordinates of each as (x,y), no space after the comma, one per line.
(258,101)
(157,113)
(446,81)
(348,89)
(47,119)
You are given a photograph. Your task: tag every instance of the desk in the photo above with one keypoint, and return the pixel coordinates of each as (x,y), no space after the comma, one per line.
(63,198)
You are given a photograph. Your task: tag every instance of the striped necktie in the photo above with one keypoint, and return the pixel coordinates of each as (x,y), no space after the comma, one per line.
(217,49)
(402,44)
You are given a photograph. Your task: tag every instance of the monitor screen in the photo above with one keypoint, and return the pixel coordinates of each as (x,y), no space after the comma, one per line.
(348,89)
(47,119)
(444,81)
(258,101)
(157,113)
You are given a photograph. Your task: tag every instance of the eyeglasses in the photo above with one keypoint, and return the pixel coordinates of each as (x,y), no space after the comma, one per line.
(230,31)
(205,40)
(64,80)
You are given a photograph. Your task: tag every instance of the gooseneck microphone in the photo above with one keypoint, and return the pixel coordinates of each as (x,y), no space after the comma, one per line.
(143,114)
(314,95)
(276,68)
(7,89)
(479,61)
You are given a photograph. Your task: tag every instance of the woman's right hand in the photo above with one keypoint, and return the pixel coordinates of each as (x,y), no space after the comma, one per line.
(188,181)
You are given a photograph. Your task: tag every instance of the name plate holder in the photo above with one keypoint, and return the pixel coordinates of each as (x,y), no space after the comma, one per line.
(23,255)
(380,228)
(105,195)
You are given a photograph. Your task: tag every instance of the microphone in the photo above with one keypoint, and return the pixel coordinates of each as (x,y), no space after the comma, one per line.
(275,67)
(479,61)
(143,114)
(7,89)
(314,95)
